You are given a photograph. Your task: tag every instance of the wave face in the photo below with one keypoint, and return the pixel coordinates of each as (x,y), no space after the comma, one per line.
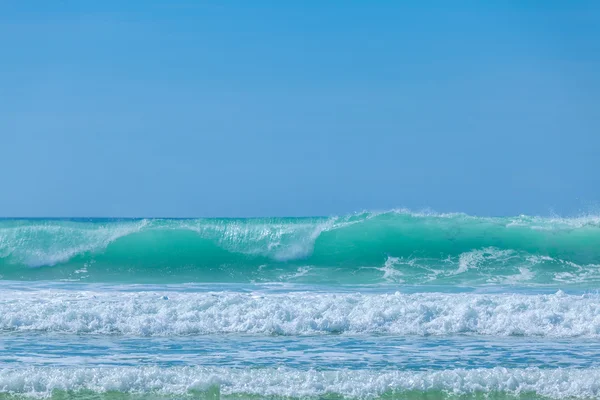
(389,247)
(149,313)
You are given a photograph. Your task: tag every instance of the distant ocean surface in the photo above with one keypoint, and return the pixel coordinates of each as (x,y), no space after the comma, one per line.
(389,305)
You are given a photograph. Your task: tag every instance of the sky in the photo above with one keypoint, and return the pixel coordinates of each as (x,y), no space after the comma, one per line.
(176,108)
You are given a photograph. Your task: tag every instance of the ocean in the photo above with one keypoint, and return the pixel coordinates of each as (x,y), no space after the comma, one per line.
(372,305)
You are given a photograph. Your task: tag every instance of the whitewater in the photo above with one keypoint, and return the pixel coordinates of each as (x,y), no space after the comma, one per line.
(371,305)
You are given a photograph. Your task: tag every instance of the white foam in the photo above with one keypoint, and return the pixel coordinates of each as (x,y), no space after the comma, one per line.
(391,274)
(299,273)
(553,222)
(363,384)
(298,313)
(474,258)
(277,239)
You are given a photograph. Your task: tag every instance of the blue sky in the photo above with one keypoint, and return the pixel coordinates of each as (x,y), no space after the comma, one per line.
(237,108)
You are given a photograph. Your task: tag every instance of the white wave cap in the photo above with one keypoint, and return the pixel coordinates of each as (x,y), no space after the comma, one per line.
(358,384)
(46,244)
(298,313)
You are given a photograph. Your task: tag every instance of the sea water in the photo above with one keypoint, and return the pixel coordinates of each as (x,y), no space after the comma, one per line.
(392,305)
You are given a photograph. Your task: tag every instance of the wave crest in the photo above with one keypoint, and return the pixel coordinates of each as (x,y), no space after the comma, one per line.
(395,246)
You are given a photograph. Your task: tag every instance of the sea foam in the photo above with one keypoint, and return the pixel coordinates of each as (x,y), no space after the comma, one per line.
(285,382)
(156,313)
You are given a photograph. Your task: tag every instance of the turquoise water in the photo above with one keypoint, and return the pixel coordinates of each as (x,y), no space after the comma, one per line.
(392,305)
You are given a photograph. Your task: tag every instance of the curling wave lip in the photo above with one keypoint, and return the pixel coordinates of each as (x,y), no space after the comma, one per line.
(388,247)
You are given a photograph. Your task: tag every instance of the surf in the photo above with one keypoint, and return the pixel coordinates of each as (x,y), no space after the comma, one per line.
(215,383)
(389,247)
(140,311)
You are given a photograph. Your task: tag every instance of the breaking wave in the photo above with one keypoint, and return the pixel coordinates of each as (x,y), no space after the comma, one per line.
(394,246)
(175,313)
(214,383)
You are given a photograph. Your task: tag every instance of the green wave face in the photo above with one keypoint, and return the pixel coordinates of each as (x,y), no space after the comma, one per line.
(390,247)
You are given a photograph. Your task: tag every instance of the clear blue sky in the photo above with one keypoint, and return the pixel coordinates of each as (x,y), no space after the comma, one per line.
(245,108)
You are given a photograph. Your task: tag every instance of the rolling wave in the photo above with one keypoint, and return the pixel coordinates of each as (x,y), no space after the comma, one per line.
(394,246)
